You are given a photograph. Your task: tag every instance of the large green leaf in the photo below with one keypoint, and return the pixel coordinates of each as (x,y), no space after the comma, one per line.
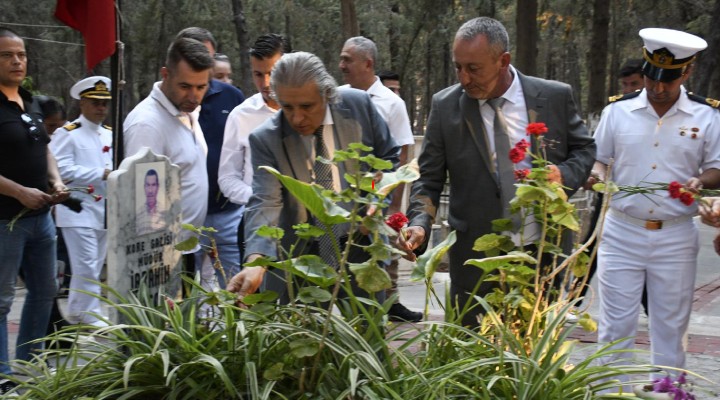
(376,163)
(409,172)
(313,294)
(306,347)
(312,197)
(314,269)
(492,263)
(428,262)
(370,277)
(272,232)
(275,372)
(187,244)
(267,296)
(307,231)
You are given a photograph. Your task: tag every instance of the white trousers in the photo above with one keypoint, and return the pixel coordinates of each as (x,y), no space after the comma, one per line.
(87,249)
(628,257)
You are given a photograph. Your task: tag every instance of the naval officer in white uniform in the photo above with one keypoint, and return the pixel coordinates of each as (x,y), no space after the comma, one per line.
(83,149)
(659,134)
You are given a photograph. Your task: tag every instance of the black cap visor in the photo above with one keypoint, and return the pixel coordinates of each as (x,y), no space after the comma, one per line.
(661,74)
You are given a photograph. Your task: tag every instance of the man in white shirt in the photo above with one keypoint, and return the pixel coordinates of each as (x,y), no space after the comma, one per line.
(235,173)
(167,122)
(357,63)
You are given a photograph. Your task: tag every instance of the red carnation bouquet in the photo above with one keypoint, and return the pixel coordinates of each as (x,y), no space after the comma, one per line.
(675,189)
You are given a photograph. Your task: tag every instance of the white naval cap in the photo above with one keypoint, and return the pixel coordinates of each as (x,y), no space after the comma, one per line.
(94,87)
(668,52)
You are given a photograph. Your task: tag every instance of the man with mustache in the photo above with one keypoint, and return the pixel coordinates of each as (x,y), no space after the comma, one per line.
(461,141)
(659,134)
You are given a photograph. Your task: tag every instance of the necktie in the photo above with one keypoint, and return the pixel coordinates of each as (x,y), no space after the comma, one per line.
(324,178)
(505,167)
(323,172)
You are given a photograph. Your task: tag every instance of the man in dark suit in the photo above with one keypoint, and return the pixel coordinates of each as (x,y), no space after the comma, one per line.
(460,141)
(313,111)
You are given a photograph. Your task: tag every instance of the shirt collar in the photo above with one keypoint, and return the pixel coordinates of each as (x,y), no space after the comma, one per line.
(375,88)
(214,86)
(328,120)
(682,104)
(514,93)
(160,97)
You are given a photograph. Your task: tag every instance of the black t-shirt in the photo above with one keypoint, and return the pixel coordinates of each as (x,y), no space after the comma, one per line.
(23,151)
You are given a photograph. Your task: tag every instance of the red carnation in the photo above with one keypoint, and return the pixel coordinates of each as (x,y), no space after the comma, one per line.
(521,174)
(97,197)
(516,155)
(90,189)
(687,198)
(674,188)
(536,128)
(522,145)
(106,149)
(397,221)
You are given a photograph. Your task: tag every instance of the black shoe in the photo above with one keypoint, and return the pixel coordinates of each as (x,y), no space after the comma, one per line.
(399,312)
(6,386)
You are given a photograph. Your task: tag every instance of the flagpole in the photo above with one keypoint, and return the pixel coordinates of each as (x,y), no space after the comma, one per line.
(117,90)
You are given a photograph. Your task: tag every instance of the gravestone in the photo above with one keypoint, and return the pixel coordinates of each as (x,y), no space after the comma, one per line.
(144,224)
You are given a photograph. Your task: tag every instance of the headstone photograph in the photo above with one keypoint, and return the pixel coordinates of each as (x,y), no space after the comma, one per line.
(144,224)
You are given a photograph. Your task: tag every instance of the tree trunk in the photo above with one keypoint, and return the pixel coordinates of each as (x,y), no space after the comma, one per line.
(527,36)
(350,26)
(393,63)
(597,59)
(246,84)
(708,62)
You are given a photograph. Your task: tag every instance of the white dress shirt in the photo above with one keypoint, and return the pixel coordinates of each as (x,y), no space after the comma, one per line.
(156,123)
(235,174)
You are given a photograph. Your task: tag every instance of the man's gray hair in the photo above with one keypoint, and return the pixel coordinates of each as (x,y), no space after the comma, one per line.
(297,69)
(363,46)
(493,30)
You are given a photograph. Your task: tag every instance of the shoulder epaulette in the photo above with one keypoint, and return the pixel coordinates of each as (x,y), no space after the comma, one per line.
(108,127)
(71,126)
(704,100)
(620,97)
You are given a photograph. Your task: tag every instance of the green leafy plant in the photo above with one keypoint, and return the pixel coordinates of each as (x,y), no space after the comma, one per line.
(307,350)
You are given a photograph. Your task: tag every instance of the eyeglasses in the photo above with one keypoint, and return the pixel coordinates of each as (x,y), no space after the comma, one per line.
(33,130)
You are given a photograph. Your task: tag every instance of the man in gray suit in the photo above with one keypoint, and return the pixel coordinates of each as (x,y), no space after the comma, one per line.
(313,112)
(459,141)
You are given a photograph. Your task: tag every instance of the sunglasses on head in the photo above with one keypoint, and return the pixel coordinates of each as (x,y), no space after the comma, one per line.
(33,129)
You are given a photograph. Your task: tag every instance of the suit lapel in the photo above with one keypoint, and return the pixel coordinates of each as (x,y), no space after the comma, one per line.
(294,149)
(347,130)
(534,102)
(470,110)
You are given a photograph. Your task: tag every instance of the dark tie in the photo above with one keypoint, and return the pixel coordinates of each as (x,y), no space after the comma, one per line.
(505,167)
(323,172)
(324,178)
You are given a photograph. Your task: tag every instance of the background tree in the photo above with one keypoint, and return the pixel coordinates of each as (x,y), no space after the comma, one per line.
(527,35)
(413,38)
(598,56)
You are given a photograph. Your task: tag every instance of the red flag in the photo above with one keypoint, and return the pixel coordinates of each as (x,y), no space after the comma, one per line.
(95,19)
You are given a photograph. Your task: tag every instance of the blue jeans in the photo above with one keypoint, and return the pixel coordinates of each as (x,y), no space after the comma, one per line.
(30,246)
(226,224)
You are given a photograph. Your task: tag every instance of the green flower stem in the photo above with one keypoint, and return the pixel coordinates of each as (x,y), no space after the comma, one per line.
(342,279)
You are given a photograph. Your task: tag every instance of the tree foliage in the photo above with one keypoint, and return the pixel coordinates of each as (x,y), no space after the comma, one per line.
(414,38)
